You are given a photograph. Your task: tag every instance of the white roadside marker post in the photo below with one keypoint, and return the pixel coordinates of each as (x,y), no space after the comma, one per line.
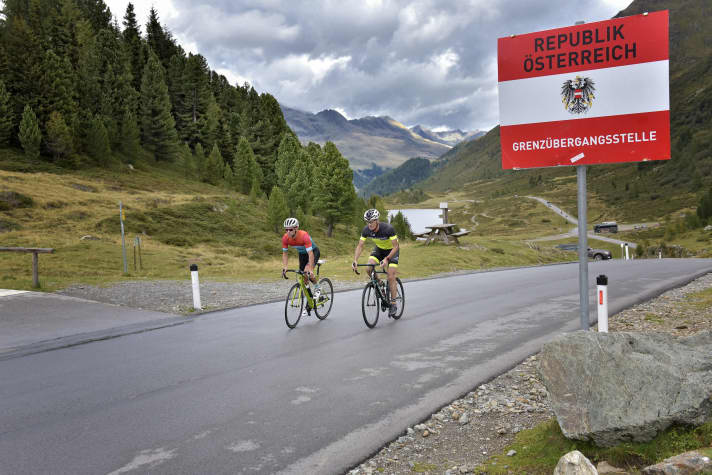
(602,284)
(626,252)
(196,286)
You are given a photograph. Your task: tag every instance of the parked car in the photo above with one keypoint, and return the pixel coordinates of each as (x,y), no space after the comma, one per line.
(595,254)
(606,226)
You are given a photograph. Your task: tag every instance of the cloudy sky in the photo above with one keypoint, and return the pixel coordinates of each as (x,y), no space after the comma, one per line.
(427,62)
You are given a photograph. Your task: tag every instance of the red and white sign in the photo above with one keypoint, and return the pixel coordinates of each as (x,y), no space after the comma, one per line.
(586,94)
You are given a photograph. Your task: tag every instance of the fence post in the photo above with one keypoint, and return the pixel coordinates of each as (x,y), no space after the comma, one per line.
(602,284)
(196,286)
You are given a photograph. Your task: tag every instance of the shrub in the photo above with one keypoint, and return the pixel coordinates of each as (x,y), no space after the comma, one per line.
(12,199)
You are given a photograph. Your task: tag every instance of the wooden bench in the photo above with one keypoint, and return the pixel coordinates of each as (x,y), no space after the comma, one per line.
(35,259)
(460,233)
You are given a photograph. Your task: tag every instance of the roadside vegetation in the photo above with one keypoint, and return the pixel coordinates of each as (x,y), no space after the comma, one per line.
(539,449)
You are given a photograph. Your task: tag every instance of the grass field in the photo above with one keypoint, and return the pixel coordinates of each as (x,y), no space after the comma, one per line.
(182,222)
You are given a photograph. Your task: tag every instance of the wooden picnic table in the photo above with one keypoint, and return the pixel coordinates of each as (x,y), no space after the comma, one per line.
(444,232)
(34,251)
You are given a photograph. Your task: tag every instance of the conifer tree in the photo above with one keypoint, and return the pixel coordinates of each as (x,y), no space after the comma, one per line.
(158,132)
(254,191)
(334,193)
(134,47)
(228,177)
(98,141)
(96,12)
(215,167)
(176,91)
(159,40)
(297,184)
(210,123)
(197,86)
(130,136)
(59,136)
(23,77)
(58,85)
(30,135)
(187,162)
(287,155)
(277,210)
(200,162)
(7,117)
(245,167)
(302,217)
(402,226)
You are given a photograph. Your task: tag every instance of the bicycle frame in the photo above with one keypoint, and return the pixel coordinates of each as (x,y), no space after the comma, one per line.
(384,299)
(303,286)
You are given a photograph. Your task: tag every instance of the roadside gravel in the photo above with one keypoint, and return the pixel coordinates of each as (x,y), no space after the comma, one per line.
(463,434)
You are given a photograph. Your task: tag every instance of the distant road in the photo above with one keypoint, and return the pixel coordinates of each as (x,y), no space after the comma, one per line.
(236,392)
(574,232)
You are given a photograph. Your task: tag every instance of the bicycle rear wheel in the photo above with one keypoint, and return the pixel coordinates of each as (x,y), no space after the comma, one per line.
(370,306)
(326,300)
(293,306)
(400,298)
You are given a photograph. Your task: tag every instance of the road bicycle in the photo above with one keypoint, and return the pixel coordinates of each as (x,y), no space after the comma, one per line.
(377,297)
(301,294)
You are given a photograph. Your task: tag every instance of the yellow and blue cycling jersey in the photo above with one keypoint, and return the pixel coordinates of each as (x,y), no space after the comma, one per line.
(383,238)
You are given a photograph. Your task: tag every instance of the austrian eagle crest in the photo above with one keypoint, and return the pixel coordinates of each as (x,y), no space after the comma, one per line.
(577,95)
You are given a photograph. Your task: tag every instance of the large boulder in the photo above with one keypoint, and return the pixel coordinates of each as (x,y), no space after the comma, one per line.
(618,387)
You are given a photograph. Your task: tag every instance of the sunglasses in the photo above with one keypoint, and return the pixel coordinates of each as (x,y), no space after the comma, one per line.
(289,230)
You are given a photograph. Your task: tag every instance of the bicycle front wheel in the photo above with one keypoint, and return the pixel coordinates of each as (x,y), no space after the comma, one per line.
(293,306)
(370,306)
(326,300)
(400,298)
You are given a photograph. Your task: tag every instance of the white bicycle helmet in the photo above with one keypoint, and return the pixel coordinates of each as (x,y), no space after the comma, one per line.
(371,214)
(291,223)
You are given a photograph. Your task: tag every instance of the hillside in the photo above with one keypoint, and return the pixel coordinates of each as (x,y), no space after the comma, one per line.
(411,172)
(382,141)
(656,189)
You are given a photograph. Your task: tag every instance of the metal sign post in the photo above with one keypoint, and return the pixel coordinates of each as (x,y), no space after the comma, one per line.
(582,247)
(123,239)
(592,93)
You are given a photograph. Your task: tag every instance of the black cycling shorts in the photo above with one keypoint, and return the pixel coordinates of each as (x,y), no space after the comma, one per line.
(304,258)
(380,254)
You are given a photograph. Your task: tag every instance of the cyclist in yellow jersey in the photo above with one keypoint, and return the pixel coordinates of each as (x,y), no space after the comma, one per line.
(385,252)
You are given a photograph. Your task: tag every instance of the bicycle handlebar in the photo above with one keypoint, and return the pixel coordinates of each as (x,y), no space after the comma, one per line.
(296,271)
(369,265)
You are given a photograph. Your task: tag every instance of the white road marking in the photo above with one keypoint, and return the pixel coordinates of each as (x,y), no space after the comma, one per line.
(6,292)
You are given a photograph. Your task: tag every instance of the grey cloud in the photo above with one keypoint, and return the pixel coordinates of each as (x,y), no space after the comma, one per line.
(371,57)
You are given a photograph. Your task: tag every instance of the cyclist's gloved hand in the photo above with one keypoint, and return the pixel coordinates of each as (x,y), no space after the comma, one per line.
(384,263)
(354,265)
(284,273)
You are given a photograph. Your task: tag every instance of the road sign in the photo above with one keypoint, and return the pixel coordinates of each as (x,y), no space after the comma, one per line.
(586,94)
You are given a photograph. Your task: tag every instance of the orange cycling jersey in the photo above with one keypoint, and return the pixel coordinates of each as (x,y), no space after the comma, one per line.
(301,241)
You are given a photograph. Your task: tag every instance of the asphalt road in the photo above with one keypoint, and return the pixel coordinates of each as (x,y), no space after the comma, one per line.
(237,392)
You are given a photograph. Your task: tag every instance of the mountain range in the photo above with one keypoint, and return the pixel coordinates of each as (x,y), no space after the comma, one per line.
(368,141)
